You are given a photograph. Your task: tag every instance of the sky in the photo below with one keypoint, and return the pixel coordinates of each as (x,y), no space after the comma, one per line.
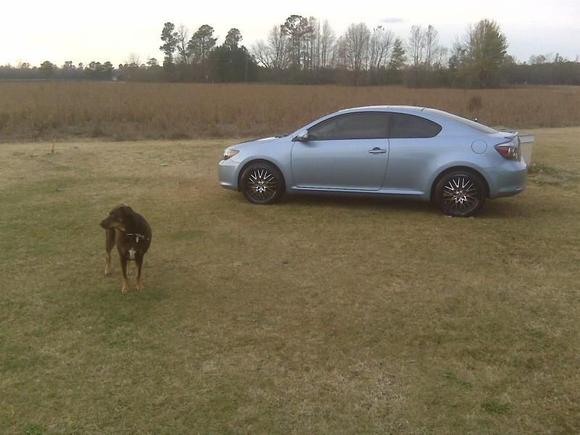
(59,30)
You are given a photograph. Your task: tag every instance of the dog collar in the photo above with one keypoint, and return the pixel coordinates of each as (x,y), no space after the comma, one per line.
(137,236)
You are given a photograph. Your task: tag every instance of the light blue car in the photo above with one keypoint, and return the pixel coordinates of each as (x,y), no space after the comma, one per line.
(394,151)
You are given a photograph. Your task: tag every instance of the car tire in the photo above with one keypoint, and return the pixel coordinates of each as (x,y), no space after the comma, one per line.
(262,183)
(460,193)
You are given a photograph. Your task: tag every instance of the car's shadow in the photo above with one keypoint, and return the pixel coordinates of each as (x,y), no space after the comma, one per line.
(356,202)
(493,209)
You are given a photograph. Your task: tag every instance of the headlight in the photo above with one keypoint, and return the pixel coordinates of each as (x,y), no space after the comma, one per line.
(230,152)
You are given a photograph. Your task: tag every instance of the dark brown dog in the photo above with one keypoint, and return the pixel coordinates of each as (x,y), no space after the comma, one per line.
(132,235)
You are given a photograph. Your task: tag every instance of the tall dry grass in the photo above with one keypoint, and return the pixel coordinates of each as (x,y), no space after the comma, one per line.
(55,110)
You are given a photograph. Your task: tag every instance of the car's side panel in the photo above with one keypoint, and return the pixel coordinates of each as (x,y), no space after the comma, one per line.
(340,164)
(409,163)
(415,164)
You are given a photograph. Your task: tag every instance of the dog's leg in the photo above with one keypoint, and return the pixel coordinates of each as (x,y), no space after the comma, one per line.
(109,244)
(139,263)
(125,287)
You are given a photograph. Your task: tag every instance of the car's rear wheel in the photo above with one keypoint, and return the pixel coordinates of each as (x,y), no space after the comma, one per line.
(460,193)
(262,183)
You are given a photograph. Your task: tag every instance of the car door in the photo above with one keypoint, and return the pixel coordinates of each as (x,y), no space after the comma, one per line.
(346,152)
(414,146)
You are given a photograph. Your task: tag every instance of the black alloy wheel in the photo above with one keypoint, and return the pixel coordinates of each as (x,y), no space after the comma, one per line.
(460,193)
(262,183)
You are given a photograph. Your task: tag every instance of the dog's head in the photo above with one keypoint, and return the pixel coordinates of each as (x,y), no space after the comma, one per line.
(118,218)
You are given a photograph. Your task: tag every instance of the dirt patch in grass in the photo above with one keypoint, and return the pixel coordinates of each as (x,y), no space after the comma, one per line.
(556,176)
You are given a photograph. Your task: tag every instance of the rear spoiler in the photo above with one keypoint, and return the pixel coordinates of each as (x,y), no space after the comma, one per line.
(526,147)
(527,138)
(526,144)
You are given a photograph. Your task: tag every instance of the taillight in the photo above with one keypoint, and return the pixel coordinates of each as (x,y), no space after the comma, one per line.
(510,150)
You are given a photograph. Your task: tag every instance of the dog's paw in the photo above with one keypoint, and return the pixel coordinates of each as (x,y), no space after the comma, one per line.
(108,272)
(124,289)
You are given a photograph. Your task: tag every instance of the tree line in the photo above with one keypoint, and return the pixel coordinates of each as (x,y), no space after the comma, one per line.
(305,50)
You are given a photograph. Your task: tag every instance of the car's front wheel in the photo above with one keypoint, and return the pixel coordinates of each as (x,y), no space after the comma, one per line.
(460,193)
(262,183)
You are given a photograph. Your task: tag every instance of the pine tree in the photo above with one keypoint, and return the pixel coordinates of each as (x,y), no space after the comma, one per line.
(169,38)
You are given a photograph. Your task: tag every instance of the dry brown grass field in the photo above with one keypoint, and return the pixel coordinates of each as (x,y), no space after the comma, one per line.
(129,111)
(316,315)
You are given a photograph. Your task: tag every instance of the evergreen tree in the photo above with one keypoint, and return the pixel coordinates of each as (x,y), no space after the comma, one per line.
(169,39)
(483,55)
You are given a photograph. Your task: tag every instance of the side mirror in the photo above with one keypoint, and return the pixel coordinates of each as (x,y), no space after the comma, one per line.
(302,136)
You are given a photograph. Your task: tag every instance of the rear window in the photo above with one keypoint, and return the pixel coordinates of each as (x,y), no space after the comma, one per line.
(466,122)
(405,126)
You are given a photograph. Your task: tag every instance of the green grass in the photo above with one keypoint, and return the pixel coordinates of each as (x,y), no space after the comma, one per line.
(316,315)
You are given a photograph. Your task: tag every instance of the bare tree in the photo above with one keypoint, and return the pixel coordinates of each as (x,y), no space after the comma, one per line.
(416,46)
(354,49)
(133,60)
(273,54)
(380,46)
(538,60)
(182,36)
(434,52)
(312,45)
(327,42)
(424,49)
(261,51)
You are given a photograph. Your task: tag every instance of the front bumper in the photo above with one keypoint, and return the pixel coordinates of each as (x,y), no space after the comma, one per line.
(228,174)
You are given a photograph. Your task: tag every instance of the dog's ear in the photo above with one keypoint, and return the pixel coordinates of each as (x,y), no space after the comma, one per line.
(125,210)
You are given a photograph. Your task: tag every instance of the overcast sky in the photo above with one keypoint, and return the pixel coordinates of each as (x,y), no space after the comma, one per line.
(59,30)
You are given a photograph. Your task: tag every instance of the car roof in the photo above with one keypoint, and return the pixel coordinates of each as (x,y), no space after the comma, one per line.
(446,119)
(404,109)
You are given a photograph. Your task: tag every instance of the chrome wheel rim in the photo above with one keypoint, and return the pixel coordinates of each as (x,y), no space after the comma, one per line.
(262,184)
(460,194)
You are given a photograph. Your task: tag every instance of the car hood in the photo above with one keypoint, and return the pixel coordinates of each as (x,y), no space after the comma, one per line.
(261,142)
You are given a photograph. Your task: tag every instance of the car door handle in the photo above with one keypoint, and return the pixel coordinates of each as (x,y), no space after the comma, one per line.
(377,150)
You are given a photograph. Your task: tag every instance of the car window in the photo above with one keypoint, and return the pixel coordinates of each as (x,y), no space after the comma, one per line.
(467,122)
(404,126)
(359,125)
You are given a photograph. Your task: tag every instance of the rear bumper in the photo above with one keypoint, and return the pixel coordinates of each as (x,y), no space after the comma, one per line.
(228,174)
(509,181)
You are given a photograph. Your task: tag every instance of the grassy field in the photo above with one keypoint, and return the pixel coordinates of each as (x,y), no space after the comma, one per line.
(129,111)
(317,315)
